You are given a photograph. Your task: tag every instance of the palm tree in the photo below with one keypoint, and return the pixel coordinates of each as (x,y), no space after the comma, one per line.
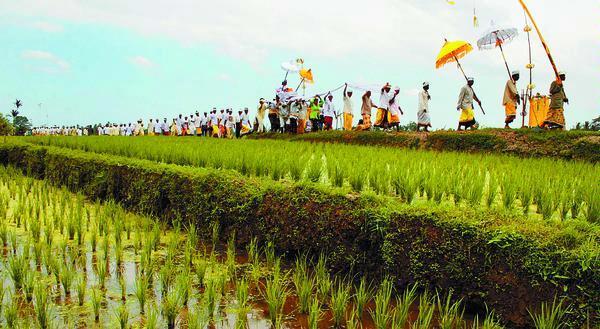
(14,113)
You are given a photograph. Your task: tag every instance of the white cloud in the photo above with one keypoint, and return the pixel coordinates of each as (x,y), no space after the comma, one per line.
(142,62)
(47,27)
(224,77)
(45,61)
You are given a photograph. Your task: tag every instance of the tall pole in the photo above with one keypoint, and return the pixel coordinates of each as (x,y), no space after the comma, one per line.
(546,48)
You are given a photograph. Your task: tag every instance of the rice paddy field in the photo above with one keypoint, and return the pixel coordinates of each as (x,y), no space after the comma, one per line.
(545,187)
(69,263)
(161,232)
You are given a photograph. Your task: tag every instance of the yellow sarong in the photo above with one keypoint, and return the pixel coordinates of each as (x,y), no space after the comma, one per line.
(555,117)
(511,112)
(215,131)
(538,109)
(348,117)
(245,129)
(466,115)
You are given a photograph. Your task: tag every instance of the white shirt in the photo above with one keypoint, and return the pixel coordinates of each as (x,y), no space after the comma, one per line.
(423,100)
(245,119)
(348,105)
(384,99)
(150,126)
(213,119)
(329,109)
(395,106)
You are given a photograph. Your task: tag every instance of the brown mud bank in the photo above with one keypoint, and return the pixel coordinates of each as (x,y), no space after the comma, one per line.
(485,258)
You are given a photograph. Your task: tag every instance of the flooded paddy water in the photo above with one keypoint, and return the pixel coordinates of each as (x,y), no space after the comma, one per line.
(70,263)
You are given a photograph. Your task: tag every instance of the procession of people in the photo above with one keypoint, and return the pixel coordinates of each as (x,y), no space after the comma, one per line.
(290,113)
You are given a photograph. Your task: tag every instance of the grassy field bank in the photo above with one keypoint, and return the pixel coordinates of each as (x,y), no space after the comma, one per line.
(503,259)
(567,145)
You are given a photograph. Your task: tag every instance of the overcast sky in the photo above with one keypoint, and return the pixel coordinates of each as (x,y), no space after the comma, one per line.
(119,60)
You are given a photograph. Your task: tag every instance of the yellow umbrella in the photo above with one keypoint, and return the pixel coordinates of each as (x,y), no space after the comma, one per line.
(307,75)
(451,52)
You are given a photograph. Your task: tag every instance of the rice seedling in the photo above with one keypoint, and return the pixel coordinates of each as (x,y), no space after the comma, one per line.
(183,287)
(42,306)
(362,295)
(450,313)
(152,317)
(242,297)
(275,294)
(314,169)
(488,323)
(270,254)
(17,269)
(550,316)
(122,286)
(353,321)
(340,297)
(141,290)
(2,292)
(381,315)
(11,312)
(67,276)
(170,308)
(122,317)
(304,285)
(29,285)
(81,289)
(230,260)
(253,252)
(101,267)
(315,314)
(119,255)
(403,304)
(166,276)
(96,297)
(426,310)
(197,318)
(215,234)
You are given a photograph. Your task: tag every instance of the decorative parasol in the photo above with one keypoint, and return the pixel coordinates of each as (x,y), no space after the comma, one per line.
(306,76)
(288,67)
(452,51)
(496,37)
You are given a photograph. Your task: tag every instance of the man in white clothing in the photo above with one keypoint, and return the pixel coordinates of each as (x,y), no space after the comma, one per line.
(328,112)
(423,118)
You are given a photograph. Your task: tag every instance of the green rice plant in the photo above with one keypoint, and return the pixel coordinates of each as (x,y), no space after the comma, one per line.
(35,229)
(426,310)
(304,288)
(67,276)
(450,313)
(81,289)
(12,236)
(4,233)
(242,296)
(11,312)
(188,254)
(357,180)
(314,169)
(122,286)
(152,317)
(492,191)
(211,297)
(38,250)
(592,202)
(96,297)
(475,189)
(256,270)
(324,287)
(105,248)
(166,277)
(275,294)
(17,268)
(547,204)
(270,254)
(29,285)
(403,304)
(41,306)
(381,315)
(315,314)
(200,267)
(509,191)
(215,229)
(122,316)
(295,168)
(340,296)
(141,290)
(550,316)
(197,318)
(183,287)
(353,321)
(101,267)
(230,260)
(2,292)
(170,308)
(362,295)
(253,252)
(488,323)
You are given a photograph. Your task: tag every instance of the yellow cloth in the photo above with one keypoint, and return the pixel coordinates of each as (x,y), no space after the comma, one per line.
(199,131)
(556,117)
(301,126)
(538,109)
(215,131)
(379,116)
(245,129)
(467,115)
(150,133)
(348,117)
(393,118)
